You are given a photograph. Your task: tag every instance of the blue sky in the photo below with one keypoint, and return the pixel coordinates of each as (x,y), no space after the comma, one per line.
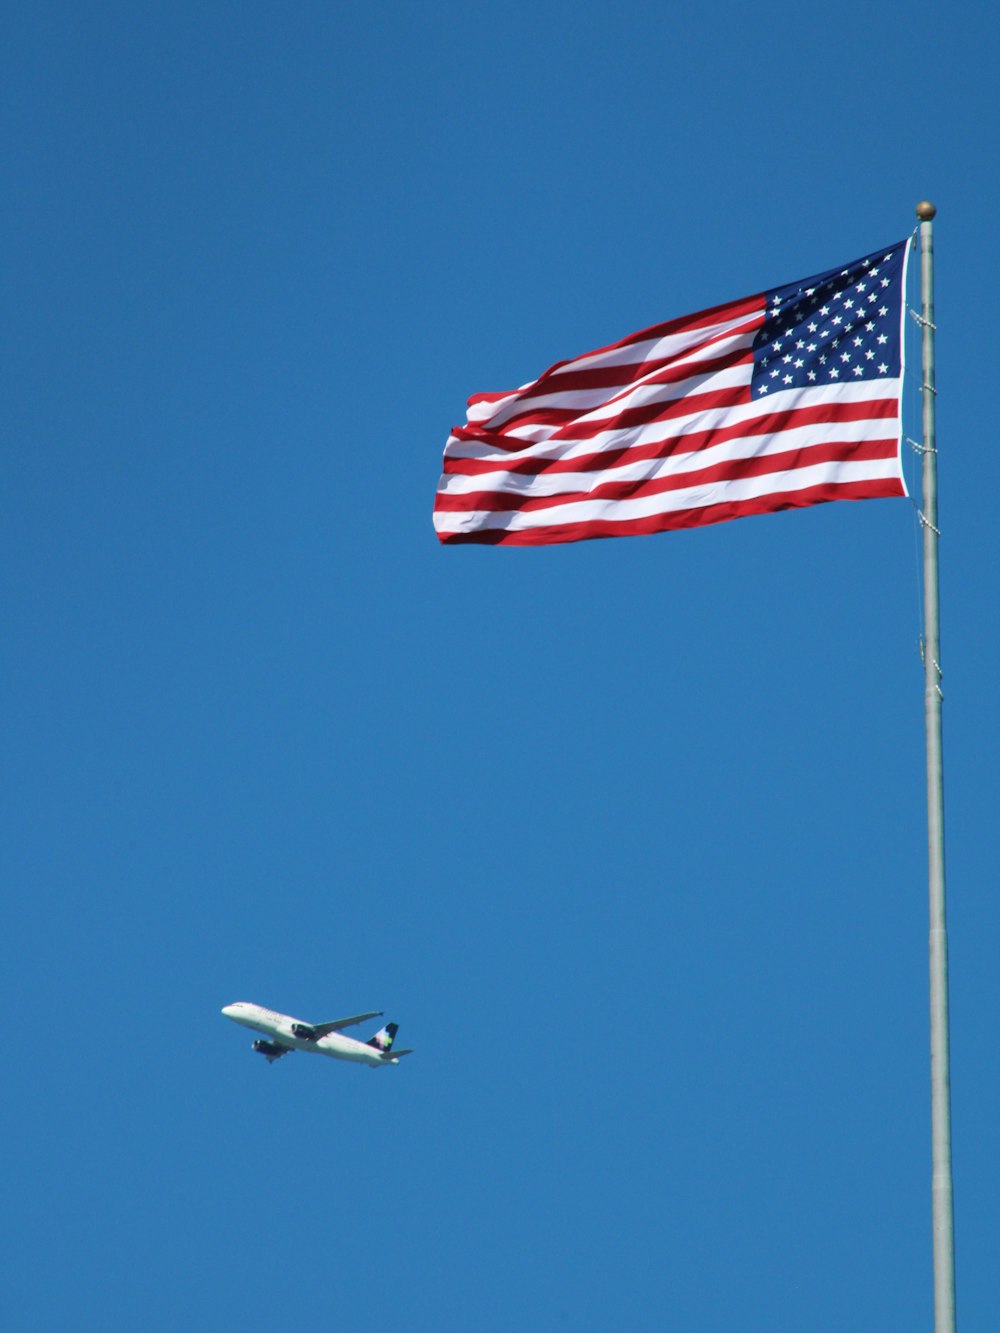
(627,836)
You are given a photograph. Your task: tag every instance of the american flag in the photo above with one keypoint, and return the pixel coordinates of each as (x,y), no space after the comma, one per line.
(784,399)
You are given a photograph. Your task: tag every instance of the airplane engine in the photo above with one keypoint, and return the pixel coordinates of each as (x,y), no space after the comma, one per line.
(303,1032)
(270,1048)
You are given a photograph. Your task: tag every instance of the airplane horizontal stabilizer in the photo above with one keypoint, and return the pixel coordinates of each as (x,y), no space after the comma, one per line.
(394,1055)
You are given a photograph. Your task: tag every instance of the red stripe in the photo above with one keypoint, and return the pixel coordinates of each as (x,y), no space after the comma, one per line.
(659,371)
(746,305)
(500,501)
(680,365)
(771,424)
(572,427)
(669,373)
(750,305)
(679,519)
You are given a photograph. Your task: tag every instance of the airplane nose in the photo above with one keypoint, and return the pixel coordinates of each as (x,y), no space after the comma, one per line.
(229,1010)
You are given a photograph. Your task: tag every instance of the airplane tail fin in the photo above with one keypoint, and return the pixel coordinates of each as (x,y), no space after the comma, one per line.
(383,1039)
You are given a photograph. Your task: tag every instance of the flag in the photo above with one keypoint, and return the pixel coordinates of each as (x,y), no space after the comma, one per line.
(784,399)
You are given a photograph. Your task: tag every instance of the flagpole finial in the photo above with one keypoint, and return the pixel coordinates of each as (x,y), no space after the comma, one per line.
(925,210)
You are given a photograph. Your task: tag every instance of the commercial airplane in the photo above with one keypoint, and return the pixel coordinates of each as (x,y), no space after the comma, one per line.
(289,1034)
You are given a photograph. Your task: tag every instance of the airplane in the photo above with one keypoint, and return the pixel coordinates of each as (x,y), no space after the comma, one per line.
(290,1034)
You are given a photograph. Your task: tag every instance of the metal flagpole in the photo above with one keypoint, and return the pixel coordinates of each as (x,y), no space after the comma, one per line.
(941,1186)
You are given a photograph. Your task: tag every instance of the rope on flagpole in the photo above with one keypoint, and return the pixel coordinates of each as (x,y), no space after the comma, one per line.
(912,412)
(919,319)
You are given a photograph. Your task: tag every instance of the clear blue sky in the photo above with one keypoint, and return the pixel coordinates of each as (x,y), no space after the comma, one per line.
(627,836)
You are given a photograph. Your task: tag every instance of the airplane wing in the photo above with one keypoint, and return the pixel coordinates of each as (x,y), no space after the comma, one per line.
(322,1029)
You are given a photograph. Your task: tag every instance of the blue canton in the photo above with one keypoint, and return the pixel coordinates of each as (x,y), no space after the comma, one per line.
(838,327)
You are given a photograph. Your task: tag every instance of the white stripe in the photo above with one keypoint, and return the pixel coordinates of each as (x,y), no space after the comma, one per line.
(694,497)
(652,469)
(615,398)
(662,349)
(655,432)
(705,341)
(668,346)
(479,412)
(641,395)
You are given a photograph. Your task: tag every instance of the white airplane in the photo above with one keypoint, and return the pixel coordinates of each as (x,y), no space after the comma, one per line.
(290,1034)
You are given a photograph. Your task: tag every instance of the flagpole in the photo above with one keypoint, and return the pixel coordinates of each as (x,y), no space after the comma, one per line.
(941,1184)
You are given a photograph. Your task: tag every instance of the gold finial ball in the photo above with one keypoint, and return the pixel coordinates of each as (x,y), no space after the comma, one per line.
(925,210)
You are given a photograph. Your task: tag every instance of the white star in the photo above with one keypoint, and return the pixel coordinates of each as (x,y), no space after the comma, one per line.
(883,369)
(885,282)
(883,310)
(858,342)
(883,338)
(869,326)
(813,328)
(857,370)
(799,363)
(762,389)
(848,305)
(787,379)
(825,310)
(834,372)
(845,356)
(811,347)
(869,355)
(811,374)
(860,287)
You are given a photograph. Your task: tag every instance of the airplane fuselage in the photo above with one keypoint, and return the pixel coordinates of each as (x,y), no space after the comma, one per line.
(280,1028)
